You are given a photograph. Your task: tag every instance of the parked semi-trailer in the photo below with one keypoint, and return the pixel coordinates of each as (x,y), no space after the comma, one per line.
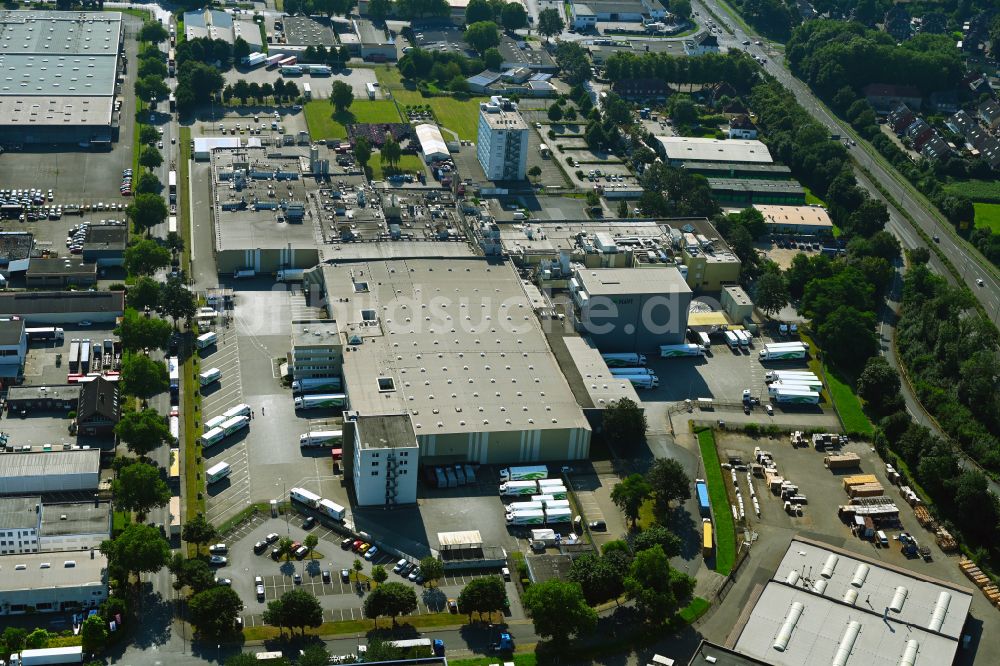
(291,274)
(514,507)
(206,340)
(329,438)
(331,509)
(242,409)
(707,543)
(272,61)
(794,384)
(558,515)
(536,517)
(214,422)
(74,356)
(85,355)
(624,360)
(45,334)
(674,351)
(442,479)
(209,376)
(235,424)
(732,340)
(642,381)
(784,354)
(796,397)
(778,375)
(255,60)
(303,496)
(701,489)
(218,472)
(45,656)
(316,385)
(625,372)
(321,400)
(519,488)
(524,473)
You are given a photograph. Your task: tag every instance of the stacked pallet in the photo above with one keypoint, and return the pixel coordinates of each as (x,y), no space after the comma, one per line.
(866,490)
(981,580)
(946,541)
(923,516)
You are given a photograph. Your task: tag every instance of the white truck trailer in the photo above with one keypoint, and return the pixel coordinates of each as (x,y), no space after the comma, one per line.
(524,473)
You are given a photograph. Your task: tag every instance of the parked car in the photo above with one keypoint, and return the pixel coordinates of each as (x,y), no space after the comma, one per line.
(217,560)
(301,552)
(275,553)
(399,566)
(370,553)
(259,547)
(346,543)
(414,574)
(505,572)
(259,587)
(326,575)
(345,576)
(452,606)
(356,546)
(224,581)
(309,523)
(597,526)
(297,578)
(218,548)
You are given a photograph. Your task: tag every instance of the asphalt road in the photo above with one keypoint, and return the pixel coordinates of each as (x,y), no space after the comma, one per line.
(959,252)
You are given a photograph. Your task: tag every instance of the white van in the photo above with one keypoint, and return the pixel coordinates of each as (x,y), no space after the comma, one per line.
(882,539)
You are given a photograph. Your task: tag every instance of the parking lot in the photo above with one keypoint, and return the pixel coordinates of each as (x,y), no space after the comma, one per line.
(266,458)
(340,601)
(356,77)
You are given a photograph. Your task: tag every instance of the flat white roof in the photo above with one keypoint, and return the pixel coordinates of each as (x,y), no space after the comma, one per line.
(464,539)
(844,601)
(692,149)
(204,144)
(813,216)
(459,339)
(431,142)
(601,386)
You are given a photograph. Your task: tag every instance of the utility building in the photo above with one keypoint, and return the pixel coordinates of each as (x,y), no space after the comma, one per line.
(631,309)
(503,140)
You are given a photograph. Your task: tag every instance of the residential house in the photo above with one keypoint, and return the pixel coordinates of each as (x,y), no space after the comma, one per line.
(989,113)
(635,90)
(702,43)
(979,141)
(886,96)
(741,127)
(900,118)
(919,133)
(934,23)
(943,101)
(976,84)
(936,148)
(100,409)
(897,22)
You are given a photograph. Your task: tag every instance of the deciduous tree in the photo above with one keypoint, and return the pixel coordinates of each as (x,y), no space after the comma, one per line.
(139,548)
(146,211)
(482,36)
(559,610)
(657,590)
(432,569)
(150,157)
(145,292)
(138,487)
(193,573)
(142,376)
(625,422)
(341,96)
(628,495)
(137,332)
(392,599)
(214,611)
(482,595)
(94,634)
(513,16)
(668,482)
(177,300)
(143,431)
(550,22)
(199,531)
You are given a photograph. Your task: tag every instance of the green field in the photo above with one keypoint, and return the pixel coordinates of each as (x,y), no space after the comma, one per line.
(411,163)
(987,191)
(988,215)
(460,116)
(325,124)
(725,534)
(841,393)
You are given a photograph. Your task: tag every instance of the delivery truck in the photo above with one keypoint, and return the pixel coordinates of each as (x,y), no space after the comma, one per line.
(677,351)
(772,389)
(707,542)
(328,438)
(331,509)
(233,425)
(536,517)
(732,340)
(795,397)
(783,354)
(242,409)
(624,360)
(291,274)
(316,385)
(514,507)
(218,472)
(701,489)
(524,473)
(321,401)
(45,656)
(74,356)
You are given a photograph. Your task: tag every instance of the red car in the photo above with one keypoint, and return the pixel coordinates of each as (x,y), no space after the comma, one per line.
(356,545)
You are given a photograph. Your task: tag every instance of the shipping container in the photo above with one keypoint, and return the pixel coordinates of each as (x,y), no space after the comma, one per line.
(218,472)
(304,496)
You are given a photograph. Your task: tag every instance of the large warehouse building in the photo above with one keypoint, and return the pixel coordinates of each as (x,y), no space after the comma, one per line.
(826,605)
(49,472)
(456,346)
(58,72)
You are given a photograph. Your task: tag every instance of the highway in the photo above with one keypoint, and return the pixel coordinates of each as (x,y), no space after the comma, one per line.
(955,249)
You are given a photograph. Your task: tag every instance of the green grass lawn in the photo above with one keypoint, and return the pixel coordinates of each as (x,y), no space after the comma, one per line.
(812,198)
(411,163)
(461,116)
(725,531)
(988,215)
(694,610)
(840,392)
(987,191)
(325,124)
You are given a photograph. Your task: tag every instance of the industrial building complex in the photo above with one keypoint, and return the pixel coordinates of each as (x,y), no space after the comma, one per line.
(60,71)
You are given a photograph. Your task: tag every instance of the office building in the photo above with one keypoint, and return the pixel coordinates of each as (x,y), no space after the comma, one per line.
(52,583)
(104,244)
(60,70)
(13,347)
(827,605)
(375,43)
(60,273)
(384,460)
(317,348)
(808,220)
(631,309)
(27,525)
(503,140)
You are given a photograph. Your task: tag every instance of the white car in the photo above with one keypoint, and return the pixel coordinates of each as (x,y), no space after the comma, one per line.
(218,548)
(217,560)
(979,281)
(159,144)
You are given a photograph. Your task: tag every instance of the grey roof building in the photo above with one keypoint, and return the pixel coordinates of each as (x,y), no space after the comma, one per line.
(217,24)
(53,471)
(48,583)
(522,54)
(631,309)
(61,272)
(59,72)
(56,307)
(104,244)
(309,31)
(99,408)
(15,251)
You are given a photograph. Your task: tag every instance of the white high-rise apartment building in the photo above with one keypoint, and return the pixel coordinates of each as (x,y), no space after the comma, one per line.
(503,140)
